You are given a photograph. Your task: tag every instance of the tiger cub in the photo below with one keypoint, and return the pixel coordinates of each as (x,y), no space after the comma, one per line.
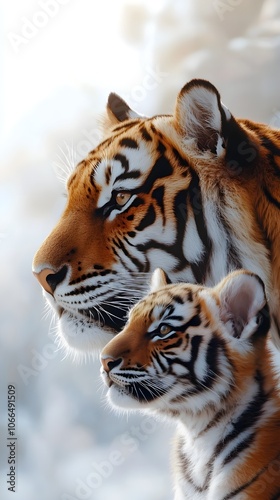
(200,356)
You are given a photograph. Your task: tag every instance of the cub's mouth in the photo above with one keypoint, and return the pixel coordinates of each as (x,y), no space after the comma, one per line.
(143,392)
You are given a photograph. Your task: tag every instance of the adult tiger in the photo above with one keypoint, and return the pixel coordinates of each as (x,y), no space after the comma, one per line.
(200,357)
(197,193)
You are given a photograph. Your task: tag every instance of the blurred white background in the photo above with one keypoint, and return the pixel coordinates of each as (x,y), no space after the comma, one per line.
(59,60)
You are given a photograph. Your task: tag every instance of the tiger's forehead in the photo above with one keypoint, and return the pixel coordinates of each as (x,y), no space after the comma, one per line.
(138,152)
(124,170)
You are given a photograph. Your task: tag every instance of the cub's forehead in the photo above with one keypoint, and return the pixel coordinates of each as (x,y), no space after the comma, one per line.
(173,300)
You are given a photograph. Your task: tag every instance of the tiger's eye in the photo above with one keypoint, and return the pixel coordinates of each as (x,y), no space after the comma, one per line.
(122,198)
(165,329)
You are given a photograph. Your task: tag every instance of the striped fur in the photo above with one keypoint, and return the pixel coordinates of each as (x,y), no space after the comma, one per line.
(196,192)
(200,357)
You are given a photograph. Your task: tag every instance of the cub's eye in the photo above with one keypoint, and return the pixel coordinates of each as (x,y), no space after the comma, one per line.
(122,198)
(165,329)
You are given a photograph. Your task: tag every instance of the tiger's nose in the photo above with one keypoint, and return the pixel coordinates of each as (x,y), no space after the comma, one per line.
(109,363)
(49,279)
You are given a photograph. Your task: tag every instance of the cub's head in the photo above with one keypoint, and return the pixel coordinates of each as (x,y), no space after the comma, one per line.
(134,203)
(188,346)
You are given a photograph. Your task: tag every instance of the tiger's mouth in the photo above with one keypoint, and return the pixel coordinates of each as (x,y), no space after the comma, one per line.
(104,316)
(86,325)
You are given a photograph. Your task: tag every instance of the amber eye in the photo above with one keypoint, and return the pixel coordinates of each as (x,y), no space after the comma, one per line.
(165,329)
(122,198)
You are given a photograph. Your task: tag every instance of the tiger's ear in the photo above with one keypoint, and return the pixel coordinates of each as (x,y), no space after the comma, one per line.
(118,110)
(201,116)
(158,280)
(243,305)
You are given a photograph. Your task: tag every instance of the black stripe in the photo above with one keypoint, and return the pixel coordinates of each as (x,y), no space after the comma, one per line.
(176,344)
(145,134)
(212,363)
(273,149)
(158,194)
(157,358)
(136,203)
(233,258)
(84,277)
(271,198)
(248,417)
(246,443)
(108,173)
(276,496)
(85,289)
(125,126)
(186,469)
(194,321)
(123,160)
(133,174)
(219,415)
(161,148)
(243,487)
(180,216)
(161,168)
(148,219)
(195,343)
(119,244)
(200,268)
(128,143)
(117,131)
(178,299)
(182,161)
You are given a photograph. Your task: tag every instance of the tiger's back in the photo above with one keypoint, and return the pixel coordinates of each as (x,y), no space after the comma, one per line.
(201,357)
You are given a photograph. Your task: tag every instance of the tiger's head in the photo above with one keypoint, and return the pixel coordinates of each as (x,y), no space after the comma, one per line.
(138,201)
(188,346)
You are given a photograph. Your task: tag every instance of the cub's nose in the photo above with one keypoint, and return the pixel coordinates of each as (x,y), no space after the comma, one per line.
(49,279)
(109,363)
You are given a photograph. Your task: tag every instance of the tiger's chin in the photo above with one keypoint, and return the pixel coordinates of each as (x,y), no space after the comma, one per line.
(78,335)
(120,399)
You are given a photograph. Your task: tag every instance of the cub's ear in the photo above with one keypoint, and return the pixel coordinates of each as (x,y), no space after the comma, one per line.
(158,280)
(243,305)
(200,115)
(118,110)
